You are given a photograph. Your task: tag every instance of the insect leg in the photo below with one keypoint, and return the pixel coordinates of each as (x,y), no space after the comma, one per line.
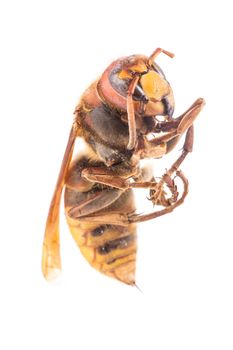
(144,179)
(105,178)
(158,195)
(115,176)
(171,125)
(145,217)
(131,115)
(120,219)
(157,192)
(184,122)
(124,219)
(187,148)
(88,203)
(85,195)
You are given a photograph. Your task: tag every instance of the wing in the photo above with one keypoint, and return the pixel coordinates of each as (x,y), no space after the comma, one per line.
(51,260)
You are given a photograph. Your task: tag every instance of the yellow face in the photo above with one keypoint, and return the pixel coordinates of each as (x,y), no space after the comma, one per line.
(153,84)
(158,90)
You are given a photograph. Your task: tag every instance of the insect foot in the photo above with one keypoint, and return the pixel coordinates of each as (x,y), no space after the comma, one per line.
(159,196)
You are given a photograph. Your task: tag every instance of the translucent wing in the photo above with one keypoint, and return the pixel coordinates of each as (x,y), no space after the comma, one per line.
(51,260)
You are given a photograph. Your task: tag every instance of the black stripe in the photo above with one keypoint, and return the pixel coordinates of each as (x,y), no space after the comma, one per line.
(98,231)
(119,243)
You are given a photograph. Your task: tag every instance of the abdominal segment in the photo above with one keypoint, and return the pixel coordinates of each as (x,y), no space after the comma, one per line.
(109,248)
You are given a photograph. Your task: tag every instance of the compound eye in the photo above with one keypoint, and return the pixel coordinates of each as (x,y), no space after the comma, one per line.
(125,74)
(139,94)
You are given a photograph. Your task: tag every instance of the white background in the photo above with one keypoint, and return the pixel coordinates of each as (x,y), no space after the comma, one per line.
(50,52)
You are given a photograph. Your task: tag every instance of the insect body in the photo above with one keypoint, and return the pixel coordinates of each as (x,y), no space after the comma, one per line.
(116,117)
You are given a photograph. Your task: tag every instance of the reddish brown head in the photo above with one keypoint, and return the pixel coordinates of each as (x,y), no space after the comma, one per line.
(152,94)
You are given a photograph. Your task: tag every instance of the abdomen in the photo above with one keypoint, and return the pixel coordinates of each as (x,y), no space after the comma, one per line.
(109,248)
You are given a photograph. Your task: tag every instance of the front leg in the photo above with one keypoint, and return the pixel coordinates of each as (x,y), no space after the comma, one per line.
(173,124)
(185,121)
(172,132)
(157,195)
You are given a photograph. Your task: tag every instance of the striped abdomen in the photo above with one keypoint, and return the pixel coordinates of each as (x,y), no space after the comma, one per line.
(109,248)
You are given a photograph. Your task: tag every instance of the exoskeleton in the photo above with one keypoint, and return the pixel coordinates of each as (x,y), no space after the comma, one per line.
(123,117)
